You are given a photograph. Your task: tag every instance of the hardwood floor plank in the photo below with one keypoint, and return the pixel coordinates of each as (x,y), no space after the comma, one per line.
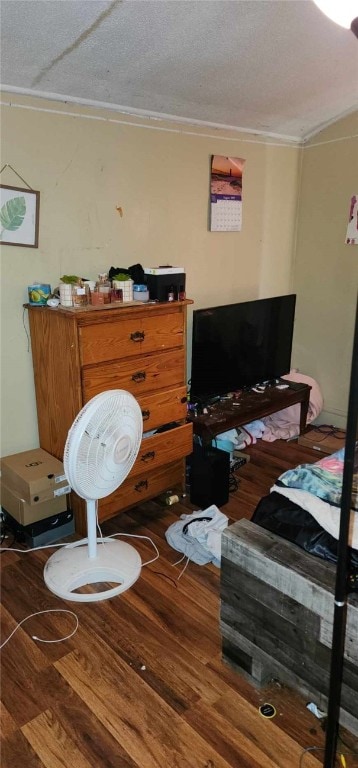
(151,732)
(51,743)
(238,732)
(8,725)
(293,716)
(180,678)
(199,636)
(16,752)
(84,731)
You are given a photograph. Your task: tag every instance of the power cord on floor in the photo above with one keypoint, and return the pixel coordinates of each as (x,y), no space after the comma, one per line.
(33,549)
(308,749)
(341,756)
(137,536)
(352,750)
(62,610)
(329,430)
(40,639)
(177,562)
(81,542)
(233,483)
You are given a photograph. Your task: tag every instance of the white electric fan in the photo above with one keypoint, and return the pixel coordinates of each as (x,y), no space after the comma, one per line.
(101,448)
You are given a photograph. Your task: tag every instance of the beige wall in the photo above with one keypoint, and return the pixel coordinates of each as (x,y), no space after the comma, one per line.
(85,163)
(326,269)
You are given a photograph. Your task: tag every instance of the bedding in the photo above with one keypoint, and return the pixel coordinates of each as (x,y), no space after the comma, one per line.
(280,515)
(317,488)
(304,507)
(322,479)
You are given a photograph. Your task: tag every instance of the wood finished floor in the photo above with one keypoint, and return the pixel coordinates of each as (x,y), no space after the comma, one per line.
(141,684)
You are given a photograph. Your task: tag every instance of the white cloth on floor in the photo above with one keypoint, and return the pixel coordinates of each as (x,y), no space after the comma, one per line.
(248,434)
(243,436)
(198,535)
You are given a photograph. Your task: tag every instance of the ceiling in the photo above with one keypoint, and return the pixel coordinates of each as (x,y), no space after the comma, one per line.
(274,67)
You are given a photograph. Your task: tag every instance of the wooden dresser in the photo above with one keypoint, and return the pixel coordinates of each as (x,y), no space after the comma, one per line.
(141,348)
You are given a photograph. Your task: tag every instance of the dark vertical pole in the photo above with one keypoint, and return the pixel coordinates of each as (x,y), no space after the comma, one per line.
(341,588)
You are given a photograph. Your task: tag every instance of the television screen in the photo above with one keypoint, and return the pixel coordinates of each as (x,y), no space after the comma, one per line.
(240,345)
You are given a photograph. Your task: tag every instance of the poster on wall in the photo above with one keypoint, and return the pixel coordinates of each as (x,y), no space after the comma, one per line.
(352,227)
(19,216)
(226,193)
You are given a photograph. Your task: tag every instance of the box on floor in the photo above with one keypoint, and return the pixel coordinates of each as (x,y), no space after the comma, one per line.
(324,441)
(35,476)
(25,513)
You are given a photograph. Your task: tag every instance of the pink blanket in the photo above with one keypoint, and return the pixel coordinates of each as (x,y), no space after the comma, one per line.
(285,424)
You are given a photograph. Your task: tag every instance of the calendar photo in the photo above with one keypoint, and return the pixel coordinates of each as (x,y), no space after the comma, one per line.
(226,193)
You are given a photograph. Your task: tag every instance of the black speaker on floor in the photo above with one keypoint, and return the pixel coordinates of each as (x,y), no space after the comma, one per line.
(209,476)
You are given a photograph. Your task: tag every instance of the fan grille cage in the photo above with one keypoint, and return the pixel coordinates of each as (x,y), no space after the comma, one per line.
(103,443)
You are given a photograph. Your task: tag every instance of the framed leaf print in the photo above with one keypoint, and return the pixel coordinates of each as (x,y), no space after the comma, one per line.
(19,216)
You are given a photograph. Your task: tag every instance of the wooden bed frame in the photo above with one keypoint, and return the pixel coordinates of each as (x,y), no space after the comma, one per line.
(276,618)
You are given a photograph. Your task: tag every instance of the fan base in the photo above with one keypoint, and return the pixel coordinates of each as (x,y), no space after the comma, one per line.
(70,568)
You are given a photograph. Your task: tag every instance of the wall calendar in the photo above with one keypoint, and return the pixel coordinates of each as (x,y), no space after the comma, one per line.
(226,193)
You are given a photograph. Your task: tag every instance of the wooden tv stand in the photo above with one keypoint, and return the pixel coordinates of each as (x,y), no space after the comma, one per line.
(229,413)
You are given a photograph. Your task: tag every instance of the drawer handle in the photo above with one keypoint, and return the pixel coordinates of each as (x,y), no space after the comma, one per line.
(139,376)
(137,336)
(141,486)
(145,415)
(148,456)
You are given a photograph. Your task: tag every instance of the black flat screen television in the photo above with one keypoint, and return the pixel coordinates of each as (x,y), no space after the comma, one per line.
(240,345)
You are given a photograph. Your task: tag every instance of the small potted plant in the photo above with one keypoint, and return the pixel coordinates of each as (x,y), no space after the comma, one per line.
(125,284)
(73,291)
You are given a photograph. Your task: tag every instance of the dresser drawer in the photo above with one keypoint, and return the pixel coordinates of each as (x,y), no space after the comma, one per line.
(137,489)
(163,448)
(129,338)
(157,371)
(163,407)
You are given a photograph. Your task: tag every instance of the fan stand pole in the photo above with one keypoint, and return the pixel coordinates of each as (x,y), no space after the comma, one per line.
(92,528)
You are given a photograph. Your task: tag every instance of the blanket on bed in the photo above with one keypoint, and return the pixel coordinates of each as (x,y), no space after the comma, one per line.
(322,479)
(317,488)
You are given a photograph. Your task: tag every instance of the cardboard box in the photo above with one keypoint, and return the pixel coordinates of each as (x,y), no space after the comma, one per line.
(319,441)
(25,513)
(35,475)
